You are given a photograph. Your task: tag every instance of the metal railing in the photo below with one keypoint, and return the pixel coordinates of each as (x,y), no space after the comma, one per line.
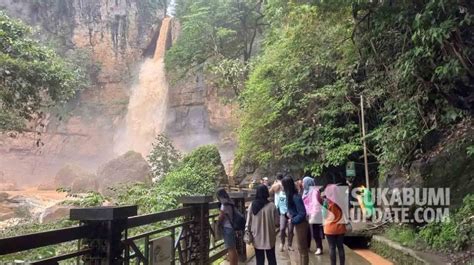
(116,235)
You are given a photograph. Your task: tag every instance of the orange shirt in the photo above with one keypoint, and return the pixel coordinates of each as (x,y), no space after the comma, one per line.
(332,223)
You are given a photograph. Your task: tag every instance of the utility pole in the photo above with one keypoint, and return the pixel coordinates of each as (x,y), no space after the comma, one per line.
(364,142)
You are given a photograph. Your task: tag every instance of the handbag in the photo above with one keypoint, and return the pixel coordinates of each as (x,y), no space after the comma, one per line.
(348,227)
(248,237)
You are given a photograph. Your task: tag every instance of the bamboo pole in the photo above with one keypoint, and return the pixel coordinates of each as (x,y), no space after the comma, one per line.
(364,142)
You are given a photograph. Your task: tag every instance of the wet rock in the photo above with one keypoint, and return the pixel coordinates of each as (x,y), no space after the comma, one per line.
(3,196)
(49,185)
(84,184)
(68,174)
(127,168)
(5,215)
(54,213)
(447,165)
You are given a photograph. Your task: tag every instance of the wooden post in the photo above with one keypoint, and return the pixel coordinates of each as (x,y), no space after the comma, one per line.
(109,224)
(364,142)
(200,229)
(239,200)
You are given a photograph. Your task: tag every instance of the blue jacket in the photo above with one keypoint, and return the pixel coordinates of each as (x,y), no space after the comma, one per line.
(298,211)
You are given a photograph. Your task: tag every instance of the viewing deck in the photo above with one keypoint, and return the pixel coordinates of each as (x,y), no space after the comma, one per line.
(117,235)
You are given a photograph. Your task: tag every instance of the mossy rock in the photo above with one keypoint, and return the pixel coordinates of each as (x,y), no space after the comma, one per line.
(130,167)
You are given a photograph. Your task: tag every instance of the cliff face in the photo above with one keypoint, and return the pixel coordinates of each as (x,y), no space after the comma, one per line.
(111,37)
(197,115)
(446,163)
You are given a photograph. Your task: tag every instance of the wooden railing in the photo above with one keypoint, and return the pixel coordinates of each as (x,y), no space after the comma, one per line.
(116,235)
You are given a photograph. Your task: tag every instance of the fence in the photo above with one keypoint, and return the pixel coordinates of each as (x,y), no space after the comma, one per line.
(185,235)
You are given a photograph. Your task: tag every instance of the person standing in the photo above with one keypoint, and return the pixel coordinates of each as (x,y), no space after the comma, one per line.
(297,214)
(225,214)
(261,223)
(276,187)
(313,211)
(286,227)
(299,185)
(334,223)
(265,182)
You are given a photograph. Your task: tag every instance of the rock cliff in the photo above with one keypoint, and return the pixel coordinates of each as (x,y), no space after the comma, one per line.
(110,36)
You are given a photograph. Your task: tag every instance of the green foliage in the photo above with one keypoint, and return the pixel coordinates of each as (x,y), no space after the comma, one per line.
(470,150)
(90,199)
(197,174)
(32,77)
(163,157)
(412,61)
(213,30)
(402,234)
(415,62)
(230,75)
(455,234)
(295,110)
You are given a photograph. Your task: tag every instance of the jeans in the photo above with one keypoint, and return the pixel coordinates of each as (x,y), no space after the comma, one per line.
(336,241)
(316,232)
(301,231)
(260,256)
(284,225)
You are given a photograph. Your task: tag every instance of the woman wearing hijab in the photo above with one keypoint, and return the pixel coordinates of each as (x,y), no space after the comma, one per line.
(297,214)
(226,212)
(314,215)
(334,223)
(261,223)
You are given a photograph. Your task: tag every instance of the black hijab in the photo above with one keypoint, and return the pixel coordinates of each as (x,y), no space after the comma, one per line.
(261,199)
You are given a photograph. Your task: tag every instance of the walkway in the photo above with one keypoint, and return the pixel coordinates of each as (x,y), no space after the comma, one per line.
(290,257)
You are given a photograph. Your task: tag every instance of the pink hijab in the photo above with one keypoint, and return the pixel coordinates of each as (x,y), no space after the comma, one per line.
(331,192)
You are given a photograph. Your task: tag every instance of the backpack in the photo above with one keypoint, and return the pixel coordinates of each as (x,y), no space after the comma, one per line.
(238,220)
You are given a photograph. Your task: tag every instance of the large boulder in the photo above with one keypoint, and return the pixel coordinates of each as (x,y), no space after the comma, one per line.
(68,174)
(54,213)
(84,184)
(128,168)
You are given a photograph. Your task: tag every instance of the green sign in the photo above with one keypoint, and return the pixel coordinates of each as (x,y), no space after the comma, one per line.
(350,169)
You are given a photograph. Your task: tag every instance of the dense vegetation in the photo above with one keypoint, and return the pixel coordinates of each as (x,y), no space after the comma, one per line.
(299,93)
(32,76)
(299,96)
(455,234)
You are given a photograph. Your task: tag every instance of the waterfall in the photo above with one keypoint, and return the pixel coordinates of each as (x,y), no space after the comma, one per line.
(146,115)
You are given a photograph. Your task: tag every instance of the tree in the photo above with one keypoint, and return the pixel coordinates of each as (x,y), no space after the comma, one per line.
(213,30)
(32,76)
(412,61)
(294,108)
(163,157)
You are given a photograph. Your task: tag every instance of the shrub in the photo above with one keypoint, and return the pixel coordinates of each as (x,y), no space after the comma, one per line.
(402,234)
(198,173)
(455,234)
